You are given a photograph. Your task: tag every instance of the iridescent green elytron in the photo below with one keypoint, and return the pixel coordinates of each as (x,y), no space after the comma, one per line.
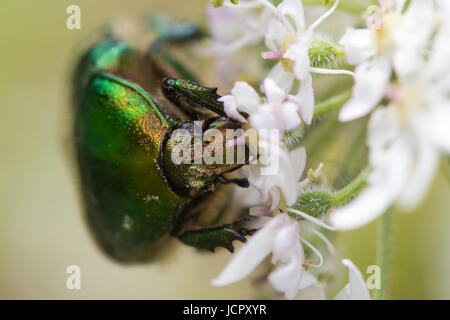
(134,195)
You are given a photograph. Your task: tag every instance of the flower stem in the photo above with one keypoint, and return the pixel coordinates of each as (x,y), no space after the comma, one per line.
(383,254)
(352,189)
(331,104)
(352,159)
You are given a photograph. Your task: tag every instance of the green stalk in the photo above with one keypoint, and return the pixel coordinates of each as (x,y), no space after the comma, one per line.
(331,104)
(354,150)
(352,189)
(383,254)
(384,236)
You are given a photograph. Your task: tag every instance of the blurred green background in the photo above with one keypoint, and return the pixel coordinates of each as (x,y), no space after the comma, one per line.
(41,226)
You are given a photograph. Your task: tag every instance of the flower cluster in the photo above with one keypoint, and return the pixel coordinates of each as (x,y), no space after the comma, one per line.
(286,103)
(401,80)
(407,133)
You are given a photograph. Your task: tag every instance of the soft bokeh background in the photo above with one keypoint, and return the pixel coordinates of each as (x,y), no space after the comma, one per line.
(41,226)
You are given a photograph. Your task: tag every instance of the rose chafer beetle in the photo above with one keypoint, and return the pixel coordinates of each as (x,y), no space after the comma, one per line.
(127,103)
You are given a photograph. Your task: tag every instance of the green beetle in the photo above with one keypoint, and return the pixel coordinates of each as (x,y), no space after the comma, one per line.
(134,195)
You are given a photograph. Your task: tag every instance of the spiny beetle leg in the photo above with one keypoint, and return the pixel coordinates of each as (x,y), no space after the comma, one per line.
(189,95)
(171,33)
(222,236)
(241,182)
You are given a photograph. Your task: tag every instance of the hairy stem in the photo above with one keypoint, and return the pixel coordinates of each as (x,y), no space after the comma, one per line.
(352,189)
(383,255)
(352,161)
(331,104)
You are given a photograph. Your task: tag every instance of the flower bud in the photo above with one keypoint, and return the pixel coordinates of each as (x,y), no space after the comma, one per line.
(323,53)
(316,204)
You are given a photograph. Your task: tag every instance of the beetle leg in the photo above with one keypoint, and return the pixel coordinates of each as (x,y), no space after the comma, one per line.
(191,96)
(176,34)
(222,236)
(157,51)
(186,94)
(242,182)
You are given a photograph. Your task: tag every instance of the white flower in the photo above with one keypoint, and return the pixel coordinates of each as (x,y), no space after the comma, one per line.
(232,28)
(315,291)
(281,186)
(405,140)
(392,40)
(289,41)
(235,26)
(278,185)
(277,171)
(356,288)
(404,161)
(441,46)
(276,111)
(280,236)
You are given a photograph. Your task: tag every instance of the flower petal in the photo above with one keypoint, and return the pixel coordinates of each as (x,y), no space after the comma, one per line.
(288,181)
(246,97)
(434,124)
(392,161)
(422,173)
(298,160)
(250,255)
(439,55)
(311,292)
(307,280)
(366,207)
(287,242)
(292,10)
(358,45)
(344,293)
(282,78)
(287,278)
(298,52)
(265,118)
(279,172)
(233,27)
(230,108)
(289,116)
(275,35)
(371,80)
(357,285)
(305,99)
(274,94)
(412,37)
(275,195)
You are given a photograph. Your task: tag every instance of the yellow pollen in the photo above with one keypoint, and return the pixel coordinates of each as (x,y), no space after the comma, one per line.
(382,35)
(307,263)
(312,176)
(287,64)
